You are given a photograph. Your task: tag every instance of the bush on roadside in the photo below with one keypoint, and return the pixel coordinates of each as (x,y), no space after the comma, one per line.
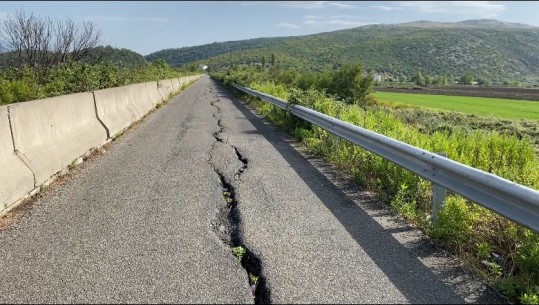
(24,84)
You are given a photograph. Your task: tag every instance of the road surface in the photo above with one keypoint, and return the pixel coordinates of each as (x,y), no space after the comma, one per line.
(152,220)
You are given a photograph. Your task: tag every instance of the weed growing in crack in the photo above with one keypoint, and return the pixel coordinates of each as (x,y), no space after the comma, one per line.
(72,165)
(253,279)
(228,198)
(239,252)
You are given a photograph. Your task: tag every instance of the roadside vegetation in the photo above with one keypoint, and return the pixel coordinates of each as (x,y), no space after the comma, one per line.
(42,58)
(502,252)
(25,84)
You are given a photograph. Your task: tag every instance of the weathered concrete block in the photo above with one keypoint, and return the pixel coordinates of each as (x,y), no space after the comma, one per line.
(153,93)
(16,179)
(51,133)
(165,88)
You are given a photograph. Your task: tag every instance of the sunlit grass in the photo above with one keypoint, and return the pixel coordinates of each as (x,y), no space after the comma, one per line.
(495,107)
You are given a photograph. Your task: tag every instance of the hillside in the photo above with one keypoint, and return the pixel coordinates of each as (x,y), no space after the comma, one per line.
(489,49)
(186,55)
(120,57)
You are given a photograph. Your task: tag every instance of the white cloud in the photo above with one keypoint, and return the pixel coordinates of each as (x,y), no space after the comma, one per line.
(344,17)
(383,8)
(248,3)
(313,17)
(342,5)
(345,23)
(332,21)
(128,19)
(333,17)
(309,5)
(287,25)
(483,9)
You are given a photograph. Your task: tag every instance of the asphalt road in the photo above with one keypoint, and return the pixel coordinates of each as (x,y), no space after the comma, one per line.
(147,222)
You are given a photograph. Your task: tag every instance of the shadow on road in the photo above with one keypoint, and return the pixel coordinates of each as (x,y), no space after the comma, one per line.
(413,279)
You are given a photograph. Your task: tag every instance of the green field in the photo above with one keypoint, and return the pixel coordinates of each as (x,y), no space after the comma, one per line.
(495,107)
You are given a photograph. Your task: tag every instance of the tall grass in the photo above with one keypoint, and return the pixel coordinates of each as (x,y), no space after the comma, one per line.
(503,252)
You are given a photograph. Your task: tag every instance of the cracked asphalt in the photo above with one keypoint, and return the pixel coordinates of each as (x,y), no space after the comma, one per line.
(138,224)
(134,225)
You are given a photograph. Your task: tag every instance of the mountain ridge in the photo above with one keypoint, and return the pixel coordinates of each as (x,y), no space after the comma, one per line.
(488,48)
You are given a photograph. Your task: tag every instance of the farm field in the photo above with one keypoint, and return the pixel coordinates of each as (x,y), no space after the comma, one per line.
(494,107)
(529,94)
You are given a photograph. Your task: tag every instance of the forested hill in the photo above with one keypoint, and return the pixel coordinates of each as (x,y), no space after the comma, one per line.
(489,49)
(186,55)
(121,57)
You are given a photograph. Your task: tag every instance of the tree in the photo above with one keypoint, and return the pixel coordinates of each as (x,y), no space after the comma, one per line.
(349,84)
(273,60)
(43,43)
(419,79)
(483,82)
(467,79)
(263,62)
(441,80)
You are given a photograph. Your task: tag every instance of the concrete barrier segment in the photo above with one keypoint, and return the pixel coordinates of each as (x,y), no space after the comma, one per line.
(165,88)
(114,109)
(49,134)
(153,93)
(16,179)
(176,85)
(138,97)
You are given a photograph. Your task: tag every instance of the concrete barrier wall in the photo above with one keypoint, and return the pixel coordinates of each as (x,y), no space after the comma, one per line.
(183,81)
(176,85)
(187,79)
(114,109)
(165,88)
(51,133)
(192,78)
(138,97)
(153,93)
(16,179)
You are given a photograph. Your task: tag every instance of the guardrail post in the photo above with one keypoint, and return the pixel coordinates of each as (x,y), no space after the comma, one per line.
(438,197)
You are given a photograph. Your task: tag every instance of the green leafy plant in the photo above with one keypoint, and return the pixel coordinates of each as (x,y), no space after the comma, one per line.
(239,252)
(529,298)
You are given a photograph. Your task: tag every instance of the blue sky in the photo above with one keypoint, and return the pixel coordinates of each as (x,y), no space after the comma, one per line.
(149,26)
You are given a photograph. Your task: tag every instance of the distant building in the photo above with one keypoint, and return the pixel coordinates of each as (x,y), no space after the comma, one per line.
(203,67)
(377,77)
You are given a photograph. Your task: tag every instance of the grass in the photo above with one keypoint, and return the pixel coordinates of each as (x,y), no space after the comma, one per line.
(495,107)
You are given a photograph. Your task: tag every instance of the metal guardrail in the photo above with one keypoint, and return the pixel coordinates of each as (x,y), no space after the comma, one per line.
(509,199)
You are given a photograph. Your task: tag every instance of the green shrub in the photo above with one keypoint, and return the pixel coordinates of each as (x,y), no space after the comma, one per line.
(19,85)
